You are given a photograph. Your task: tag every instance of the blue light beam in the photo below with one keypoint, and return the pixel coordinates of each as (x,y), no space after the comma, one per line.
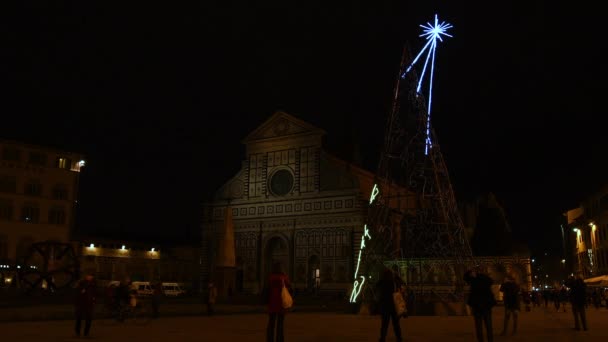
(432,33)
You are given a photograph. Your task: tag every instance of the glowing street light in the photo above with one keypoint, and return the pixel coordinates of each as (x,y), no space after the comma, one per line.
(576,230)
(92,245)
(123,247)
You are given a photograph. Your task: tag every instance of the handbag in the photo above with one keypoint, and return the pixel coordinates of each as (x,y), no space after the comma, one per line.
(399,302)
(286,299)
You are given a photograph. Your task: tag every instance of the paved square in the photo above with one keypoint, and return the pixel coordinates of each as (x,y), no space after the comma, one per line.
(537,325)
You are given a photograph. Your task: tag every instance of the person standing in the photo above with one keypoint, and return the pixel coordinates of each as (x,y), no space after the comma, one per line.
(276,312)
(481,300)
(578,294)
(389,283)
(211,298)
(510,292)
(157,294)
(85,303)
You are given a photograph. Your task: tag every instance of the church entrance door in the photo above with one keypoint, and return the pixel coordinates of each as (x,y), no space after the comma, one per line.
(314,273)
(276,250)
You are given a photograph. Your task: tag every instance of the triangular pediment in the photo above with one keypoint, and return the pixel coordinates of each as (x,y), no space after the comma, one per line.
(280,125)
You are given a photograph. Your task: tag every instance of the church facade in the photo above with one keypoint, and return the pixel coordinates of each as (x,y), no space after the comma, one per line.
(295,203)
(290,202)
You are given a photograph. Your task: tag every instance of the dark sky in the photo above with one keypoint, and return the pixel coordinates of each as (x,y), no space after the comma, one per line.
(159,97)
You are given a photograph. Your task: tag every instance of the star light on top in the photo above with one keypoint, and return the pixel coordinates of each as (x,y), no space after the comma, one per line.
(432,33)
(435,31)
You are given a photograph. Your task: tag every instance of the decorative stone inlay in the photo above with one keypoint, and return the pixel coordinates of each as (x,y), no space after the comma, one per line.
(236,189)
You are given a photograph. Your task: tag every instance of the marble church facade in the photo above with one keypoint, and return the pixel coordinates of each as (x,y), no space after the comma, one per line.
(292,202)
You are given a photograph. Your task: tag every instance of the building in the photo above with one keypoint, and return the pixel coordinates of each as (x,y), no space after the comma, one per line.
(140,261)
(294,202)
(586,235)
(291,201)
(38,194)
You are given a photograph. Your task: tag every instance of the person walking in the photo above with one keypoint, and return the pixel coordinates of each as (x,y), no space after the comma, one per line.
(276,312)
(211,298)
(510,292)
(556,300)
(157,294)
(389,283)
(481,300)
(563,297)
(578,294)
(85,303)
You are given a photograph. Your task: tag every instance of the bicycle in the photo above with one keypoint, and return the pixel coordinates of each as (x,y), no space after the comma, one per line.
(120,313)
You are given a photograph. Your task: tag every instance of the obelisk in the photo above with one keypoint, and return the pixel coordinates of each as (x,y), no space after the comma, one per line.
(225,266)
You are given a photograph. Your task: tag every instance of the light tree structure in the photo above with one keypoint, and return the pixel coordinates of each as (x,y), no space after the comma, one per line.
(413,220)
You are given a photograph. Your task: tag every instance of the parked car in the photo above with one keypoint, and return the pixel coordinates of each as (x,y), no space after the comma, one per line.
(143,288)
(172,289)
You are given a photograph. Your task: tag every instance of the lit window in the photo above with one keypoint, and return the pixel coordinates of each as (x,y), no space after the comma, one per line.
(64,163)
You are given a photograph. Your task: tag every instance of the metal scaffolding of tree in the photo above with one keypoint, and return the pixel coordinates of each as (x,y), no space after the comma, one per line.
(413,219)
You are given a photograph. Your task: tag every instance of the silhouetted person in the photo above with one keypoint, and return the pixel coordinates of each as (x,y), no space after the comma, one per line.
(595,298)
(563,297)
(578,299)
(276,312)
(481,300)
(389,283)
(556,300)
(211,298)
(85,303)
(510,292)
(157,294)
(122,297)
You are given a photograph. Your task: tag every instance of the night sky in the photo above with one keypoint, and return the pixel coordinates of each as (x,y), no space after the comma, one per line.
(159,98)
